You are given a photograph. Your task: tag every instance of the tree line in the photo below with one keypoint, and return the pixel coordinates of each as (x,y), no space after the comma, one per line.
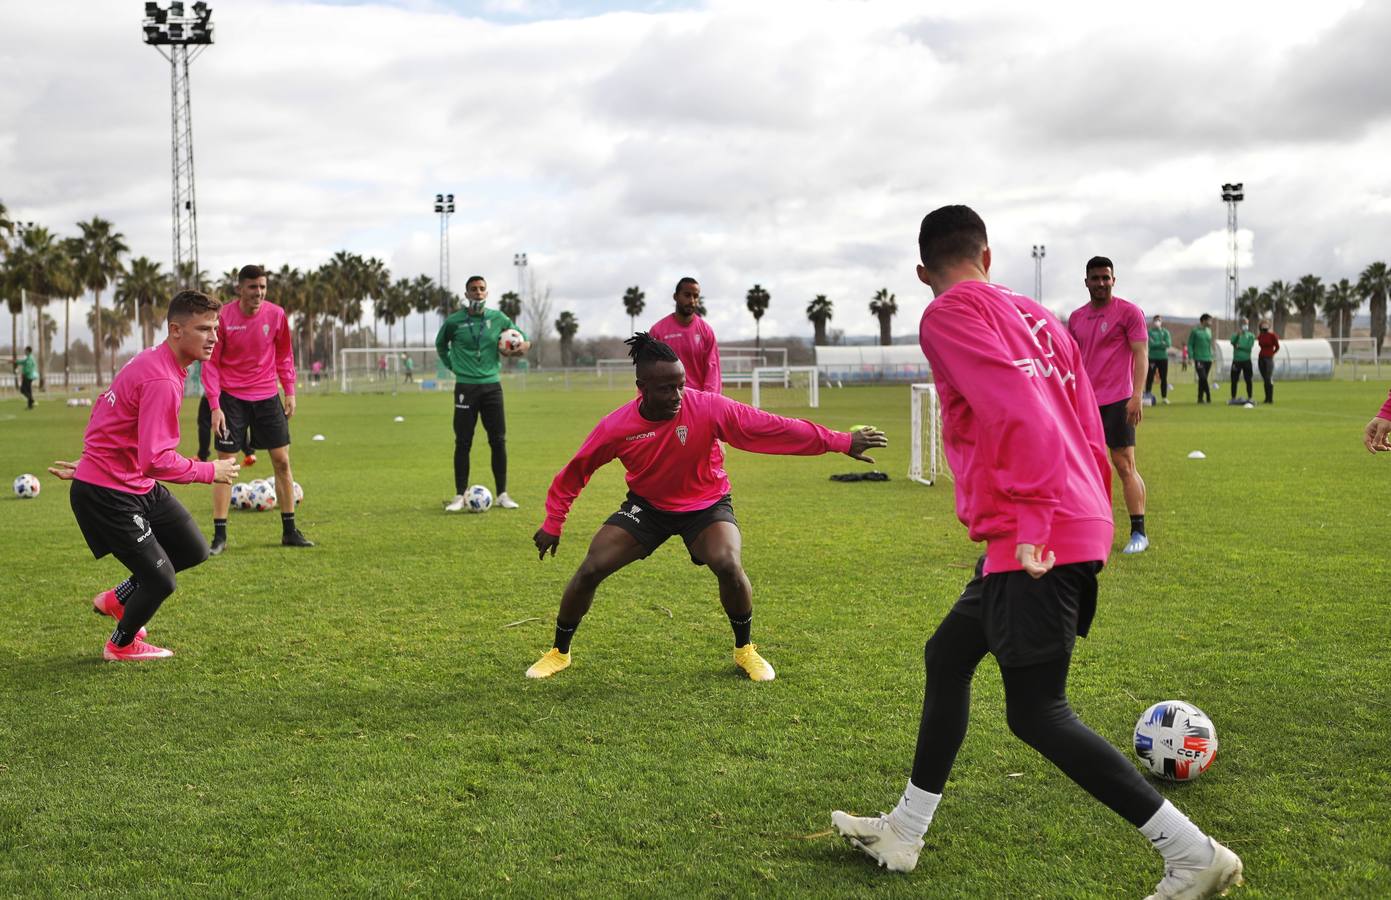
(1309,297)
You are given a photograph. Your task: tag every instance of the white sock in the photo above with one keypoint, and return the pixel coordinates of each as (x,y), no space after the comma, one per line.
(1183,844)
(911,818)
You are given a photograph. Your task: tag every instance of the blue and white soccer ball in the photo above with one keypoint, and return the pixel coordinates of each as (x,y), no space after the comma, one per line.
(1175,740)
(263,496)
(26,487)
(241,496)
(478,499)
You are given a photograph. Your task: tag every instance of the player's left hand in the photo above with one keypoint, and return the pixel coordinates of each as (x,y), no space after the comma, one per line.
(1134,410)
(1377,437)
(862,438)
(289,405)
(63,469)
(544,541)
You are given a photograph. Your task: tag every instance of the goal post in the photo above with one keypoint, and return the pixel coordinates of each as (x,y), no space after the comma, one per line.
(785,387)
(926,459)
(376,369)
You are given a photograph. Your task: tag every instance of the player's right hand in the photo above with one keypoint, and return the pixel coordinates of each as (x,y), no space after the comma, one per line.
(63,469)
(544,541)
(1031,557)
(862,438)
(225,471)
(219,423)
(1377,437)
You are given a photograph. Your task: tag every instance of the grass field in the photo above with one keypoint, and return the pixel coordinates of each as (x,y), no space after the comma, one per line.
(353,720)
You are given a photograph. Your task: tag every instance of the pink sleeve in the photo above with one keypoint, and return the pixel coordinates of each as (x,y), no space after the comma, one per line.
(1386,409)
(211,372)
(1012,416)
(157,438)
(714,380)
(753,429)
(569,481)
(1135,330)
(285,357)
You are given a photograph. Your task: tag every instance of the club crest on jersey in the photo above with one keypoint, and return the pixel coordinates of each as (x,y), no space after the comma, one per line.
(1104,326)
(265,329)
(681,432)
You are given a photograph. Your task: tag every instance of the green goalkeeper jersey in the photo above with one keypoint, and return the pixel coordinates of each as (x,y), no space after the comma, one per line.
(467,344)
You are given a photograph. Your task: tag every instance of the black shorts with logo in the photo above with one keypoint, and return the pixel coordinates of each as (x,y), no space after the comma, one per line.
(1119,433)
(1031,620)
(252,424)
(128,525)
(651,526)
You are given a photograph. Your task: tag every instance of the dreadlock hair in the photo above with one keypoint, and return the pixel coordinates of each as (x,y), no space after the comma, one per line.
(643,347)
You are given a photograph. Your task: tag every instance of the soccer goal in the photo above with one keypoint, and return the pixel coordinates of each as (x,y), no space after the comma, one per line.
(926,461)
(385,369)
(785,387)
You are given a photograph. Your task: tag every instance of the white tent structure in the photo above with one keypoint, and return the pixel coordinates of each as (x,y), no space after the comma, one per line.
(1296,360)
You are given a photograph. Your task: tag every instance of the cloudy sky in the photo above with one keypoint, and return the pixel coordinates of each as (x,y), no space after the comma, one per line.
(794,144)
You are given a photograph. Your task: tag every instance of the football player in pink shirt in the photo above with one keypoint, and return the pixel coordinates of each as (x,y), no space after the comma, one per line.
(1377,435)
(1024,441)
(130,446)
(254,361)
(1115,350)
(691,338)
(675,487)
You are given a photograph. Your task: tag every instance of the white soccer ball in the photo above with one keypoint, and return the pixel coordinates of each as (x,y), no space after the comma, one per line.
(1175,740)
(510,342)
(478,499)
(263,497)
(299,494)
(73,401)
(241,496)
(26,487)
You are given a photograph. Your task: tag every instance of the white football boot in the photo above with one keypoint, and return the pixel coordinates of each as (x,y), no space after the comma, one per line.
(878,840)
(455,505)
(1220,875)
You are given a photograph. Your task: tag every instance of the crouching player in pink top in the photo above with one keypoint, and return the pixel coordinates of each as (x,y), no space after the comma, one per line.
(1024,439)
(664,439)
(130,446)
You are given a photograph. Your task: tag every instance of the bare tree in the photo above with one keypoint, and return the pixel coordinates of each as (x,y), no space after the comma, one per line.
(537,311)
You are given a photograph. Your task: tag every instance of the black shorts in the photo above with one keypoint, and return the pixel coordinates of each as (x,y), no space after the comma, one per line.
(1119,433)
(252,424)
(1030,620)
(652,526)
(133,524)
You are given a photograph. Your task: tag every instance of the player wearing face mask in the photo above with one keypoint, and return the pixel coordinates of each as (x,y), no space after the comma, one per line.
(1242,342)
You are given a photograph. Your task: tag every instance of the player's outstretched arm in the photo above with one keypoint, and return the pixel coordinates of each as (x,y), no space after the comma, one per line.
(863,438)
(544,541)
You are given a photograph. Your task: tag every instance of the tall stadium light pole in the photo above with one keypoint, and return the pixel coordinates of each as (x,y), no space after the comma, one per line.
(1232,194)
(519,263)
(1038,273)
(444,205)
(180,36)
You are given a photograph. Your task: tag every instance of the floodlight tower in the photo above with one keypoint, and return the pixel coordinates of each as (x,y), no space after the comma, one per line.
(444,205)
(185,35)
(1232,194)
(519,263)
(1038,274)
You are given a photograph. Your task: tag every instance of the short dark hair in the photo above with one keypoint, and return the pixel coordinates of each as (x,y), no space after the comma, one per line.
(472,279)
(950,234)
(643,347)
(685,280)
(191,303)
(1100,262)
(28,349)
(250,273)
(1204,318)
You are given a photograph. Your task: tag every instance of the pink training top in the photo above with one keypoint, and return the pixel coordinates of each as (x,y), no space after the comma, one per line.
(695,346)
(669,463)
(132,438)
(1022,431)
(251,353)
(1105,336)
(1385,409)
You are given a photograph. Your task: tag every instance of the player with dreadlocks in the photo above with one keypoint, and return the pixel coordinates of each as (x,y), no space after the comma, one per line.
(664,439)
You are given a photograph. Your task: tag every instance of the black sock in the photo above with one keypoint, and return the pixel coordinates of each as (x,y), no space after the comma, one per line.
(287,522)
(124,590)
(121,638)
(564,632)
(1137,524)
(219,529)
(741,627)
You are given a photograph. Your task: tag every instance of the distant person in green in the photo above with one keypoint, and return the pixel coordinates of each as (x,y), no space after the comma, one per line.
(1200,349)
(1242,342)
(467,345)
(1160,342)
(28,371)
(408,365)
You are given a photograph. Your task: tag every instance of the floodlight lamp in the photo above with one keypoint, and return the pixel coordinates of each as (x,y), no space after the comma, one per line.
(151,34)
(449,197)
(439,198)
(176,8)
(151,9)
(200,9)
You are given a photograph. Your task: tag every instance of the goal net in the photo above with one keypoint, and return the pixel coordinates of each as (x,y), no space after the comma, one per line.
(387,369)
(785,387)
(926,461)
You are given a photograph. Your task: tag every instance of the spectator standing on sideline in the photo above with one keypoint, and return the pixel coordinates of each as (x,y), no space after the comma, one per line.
(1242,342)
(1200,348)
(1270,345)
(1160,340)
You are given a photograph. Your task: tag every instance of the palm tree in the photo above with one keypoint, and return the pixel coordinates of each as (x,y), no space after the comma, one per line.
(376,281)
(186,279)
(1250,305)
(633,302)
(757,301)
(423,299)
(227,285)
(884,305)
(566,326)
(510,304)
(39,265)
(114,325)
(72,287)
(394,304)
(1278,299)
(142,291)
(1307,296)
(819,312)
(1375,285)
(1339,303)
(99,252)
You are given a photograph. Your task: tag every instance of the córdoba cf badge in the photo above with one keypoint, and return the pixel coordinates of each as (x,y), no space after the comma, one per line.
(681,432)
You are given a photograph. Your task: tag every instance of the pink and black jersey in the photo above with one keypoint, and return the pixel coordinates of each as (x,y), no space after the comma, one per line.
(669,463)
(1105,334)
(252,353)
(695,346)
(132,438)
(1022,430)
